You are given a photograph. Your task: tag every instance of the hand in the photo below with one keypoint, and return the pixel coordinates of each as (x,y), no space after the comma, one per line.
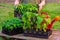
(16,2)
(40,7)
(41,4)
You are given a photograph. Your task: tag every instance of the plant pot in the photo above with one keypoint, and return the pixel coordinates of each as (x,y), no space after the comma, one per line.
(17,14)
(39,34)
(12,32)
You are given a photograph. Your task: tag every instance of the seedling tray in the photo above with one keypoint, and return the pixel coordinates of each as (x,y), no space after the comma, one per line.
(12,32)
(39,34)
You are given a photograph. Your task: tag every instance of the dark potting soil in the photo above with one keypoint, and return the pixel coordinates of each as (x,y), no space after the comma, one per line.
(12,32)
(38,34)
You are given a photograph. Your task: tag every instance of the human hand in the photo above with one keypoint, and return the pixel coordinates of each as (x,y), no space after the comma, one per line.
(40,7)
(41,4)
(16,2)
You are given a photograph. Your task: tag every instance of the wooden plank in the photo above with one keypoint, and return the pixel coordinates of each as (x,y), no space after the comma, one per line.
(55,35)
(20,36)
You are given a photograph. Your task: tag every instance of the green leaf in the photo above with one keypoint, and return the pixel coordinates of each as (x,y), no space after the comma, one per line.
(48,20)
(44,27)
(39,19)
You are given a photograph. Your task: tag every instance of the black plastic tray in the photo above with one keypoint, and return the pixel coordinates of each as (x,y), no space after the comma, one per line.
(38,34)
(12,32)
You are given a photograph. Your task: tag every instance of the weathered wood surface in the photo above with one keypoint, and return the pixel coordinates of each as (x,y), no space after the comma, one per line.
(55,36)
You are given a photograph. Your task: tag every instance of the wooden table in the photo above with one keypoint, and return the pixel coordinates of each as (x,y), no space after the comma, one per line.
(55,36)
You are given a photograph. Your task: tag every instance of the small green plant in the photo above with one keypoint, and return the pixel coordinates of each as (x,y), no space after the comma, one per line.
(28,22)
(26,18)
(23,8)
(12,23)
(38,22)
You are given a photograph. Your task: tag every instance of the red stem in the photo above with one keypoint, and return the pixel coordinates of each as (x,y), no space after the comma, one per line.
(49,26)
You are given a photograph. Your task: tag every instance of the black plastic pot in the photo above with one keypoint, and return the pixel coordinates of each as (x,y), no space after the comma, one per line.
(17,14)
(39,34)
(12,32)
